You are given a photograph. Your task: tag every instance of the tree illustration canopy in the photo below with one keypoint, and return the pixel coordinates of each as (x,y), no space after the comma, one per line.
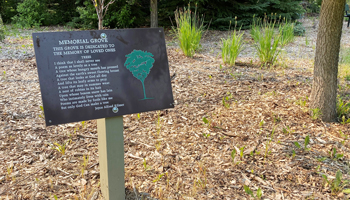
(139,63)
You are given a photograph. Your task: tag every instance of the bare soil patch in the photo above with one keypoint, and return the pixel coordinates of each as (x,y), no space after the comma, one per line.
(263,110)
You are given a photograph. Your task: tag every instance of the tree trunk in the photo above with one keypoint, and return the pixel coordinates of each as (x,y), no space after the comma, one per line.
(324,87)
(154,14)
(100,23)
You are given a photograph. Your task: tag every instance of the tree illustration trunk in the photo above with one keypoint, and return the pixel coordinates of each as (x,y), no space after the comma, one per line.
(144,90)
(324,87)
(154,14)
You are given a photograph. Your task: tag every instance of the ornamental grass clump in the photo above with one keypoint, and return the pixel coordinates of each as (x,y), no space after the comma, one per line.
(189,30)
(287,33)
(267,40)
(232,46)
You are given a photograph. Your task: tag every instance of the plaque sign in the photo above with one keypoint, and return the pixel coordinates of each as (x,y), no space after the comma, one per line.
(96,74)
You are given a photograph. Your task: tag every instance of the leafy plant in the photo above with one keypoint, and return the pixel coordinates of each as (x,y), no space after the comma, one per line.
(42,115)
(343,109)
(267,41)
(206,121)
(233,155)
(337,185)
(84,164)
(250,192)
(158,178)
(306,142)
(140,63)
(206,135)
(287,130)
(297,145)
(334,155)
(232,46)
(225,100)
(145,167)
(316,113)
(241,151)
(189,30)
(60,147)
(261,123)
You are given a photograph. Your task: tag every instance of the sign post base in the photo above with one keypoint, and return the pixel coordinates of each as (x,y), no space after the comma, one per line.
(111,157)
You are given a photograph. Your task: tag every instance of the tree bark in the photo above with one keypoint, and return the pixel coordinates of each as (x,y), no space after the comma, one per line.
(101,9)
(154,14)
(324,87)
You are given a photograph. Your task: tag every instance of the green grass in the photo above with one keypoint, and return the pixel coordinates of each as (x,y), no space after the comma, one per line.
(189,30)
(287,32)
(231,47)
(267,41)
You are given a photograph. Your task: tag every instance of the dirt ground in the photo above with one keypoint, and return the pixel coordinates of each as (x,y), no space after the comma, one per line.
(231,127)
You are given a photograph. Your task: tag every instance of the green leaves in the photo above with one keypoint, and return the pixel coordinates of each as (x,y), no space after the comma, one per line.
(233,155)
(250,192)
(205,120)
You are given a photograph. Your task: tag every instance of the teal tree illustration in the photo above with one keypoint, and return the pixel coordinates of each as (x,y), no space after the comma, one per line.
(140,63)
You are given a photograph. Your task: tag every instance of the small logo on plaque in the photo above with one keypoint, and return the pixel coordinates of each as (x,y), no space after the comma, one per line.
(115,109)
(103,35)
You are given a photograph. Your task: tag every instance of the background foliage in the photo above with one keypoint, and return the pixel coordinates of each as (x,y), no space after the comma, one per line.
(136,13)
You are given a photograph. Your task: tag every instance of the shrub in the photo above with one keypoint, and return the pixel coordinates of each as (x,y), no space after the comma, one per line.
(87,17)
(267,41)
(299,30)
(122,18)
(30,14)
(189,30)
(231,47)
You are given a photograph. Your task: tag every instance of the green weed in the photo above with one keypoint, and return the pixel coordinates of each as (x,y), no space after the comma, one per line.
(306,142)
(334,155)
(343,109)
(84,164)
(287,130)
(60,147)
(316,113)
(250,192)
(206,135)
(42,115)
(189,30)
(206,121)
(145,167)
(158,178)
(337,185)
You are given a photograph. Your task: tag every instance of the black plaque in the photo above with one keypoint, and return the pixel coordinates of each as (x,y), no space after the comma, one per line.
(102,73)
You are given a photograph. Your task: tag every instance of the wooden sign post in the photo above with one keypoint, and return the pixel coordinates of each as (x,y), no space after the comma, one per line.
(103,75)
(111,157)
